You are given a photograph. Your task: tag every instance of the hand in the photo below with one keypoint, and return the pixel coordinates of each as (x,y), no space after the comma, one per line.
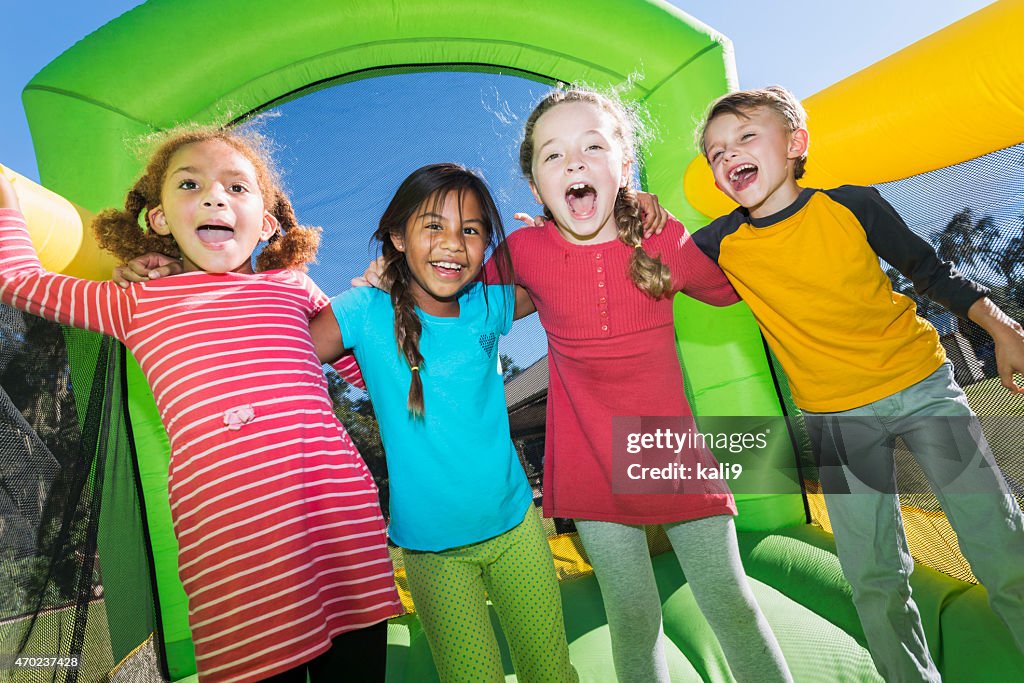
(655,217)
(530,221)
(1010,357)
(371,277)
(151,266)
(8,197)
(1008,336)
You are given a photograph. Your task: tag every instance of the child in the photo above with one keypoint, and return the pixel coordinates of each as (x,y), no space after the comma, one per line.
(863,367)
(604,298)
(461,508)
(281,543)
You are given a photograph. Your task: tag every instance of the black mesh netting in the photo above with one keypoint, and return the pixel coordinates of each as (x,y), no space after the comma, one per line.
(973,214)
(64,449)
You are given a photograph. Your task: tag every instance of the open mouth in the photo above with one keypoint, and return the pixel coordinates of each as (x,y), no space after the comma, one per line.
(742,176)
(214,234)
(581,199)
(446,269)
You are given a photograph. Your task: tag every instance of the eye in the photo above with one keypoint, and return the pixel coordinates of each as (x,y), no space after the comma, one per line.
(594,146)
(433,226)
(716,155)
(238,187)
(553,155)
(469,230)
(746,136)
(188,185)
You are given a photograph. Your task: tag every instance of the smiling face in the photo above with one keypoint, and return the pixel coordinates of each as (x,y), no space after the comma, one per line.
(444,245)
(752,158)
(577,168)
(210,202)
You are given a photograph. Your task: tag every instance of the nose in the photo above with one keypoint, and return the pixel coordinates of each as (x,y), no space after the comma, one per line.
(574,164)
(452,241)
(214,196)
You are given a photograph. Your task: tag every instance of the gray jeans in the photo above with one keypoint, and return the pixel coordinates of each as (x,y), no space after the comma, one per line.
(858,477)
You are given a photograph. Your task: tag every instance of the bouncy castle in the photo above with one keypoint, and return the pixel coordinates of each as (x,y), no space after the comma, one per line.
(88,557)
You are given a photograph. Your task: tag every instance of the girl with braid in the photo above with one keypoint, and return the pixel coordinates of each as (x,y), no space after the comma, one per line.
(461,508)
(281,544)
(603,293)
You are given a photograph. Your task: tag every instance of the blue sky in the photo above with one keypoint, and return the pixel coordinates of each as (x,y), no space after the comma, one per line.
(807,47)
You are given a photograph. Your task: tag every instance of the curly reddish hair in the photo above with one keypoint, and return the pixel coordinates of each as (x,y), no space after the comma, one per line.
(119,231)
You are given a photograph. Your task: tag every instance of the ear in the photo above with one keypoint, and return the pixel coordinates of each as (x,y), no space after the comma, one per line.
(157,220)
(398,241)
(536,194)
(270,226)
(627,173)
(799,141)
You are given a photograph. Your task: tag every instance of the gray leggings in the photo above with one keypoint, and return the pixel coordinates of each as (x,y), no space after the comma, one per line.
(710,558)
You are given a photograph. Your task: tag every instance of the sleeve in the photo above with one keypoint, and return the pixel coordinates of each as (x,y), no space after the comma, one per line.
(907,252)
(693,272)
(24,284)
(497,270)
(346,366)
(351,308)
(501,300)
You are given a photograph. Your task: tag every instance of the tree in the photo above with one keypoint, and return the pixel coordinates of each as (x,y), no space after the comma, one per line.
(967,242)
(509,367)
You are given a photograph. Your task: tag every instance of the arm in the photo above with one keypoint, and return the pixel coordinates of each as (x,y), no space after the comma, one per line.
(25,285)
(524,303)
(693,272)
(908,253)
(1008,336)
(327,337)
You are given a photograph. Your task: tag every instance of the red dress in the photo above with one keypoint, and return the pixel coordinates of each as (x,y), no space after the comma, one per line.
(611,352)
(281,542)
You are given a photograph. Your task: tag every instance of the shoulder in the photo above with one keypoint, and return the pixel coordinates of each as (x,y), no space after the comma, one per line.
(854,196)
(526,237)
(866,203)
(360,298)
(709,238)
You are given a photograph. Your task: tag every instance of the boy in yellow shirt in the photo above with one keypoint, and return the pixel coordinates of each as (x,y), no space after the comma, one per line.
(863,367)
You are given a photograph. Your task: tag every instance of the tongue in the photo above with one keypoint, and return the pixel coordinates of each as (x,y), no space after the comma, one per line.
(212,235)
(744,178)
(581,202)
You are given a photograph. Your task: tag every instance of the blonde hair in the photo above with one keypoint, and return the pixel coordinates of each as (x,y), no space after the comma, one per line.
(118,230)
(742,102)
(647,272)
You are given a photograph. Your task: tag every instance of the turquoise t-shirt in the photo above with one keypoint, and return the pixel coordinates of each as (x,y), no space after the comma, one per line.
(455,477)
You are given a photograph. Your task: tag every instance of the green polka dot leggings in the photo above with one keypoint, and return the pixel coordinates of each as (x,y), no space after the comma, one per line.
(450,591)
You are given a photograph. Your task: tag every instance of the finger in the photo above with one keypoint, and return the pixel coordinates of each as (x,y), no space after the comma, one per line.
(171,268)
(1006,379)
(524,218)
(119,279)
(539,221)
(130,275)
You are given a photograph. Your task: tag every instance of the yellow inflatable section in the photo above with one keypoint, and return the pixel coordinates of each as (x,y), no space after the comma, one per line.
(60,231)
(953,96)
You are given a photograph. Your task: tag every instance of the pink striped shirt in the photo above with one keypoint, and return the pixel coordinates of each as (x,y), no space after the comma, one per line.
(281,541)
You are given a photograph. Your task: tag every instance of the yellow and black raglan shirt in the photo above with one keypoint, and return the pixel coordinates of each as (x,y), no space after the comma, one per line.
(811,276)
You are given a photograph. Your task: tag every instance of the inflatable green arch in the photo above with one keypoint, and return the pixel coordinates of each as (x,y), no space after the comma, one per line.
(170,61)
